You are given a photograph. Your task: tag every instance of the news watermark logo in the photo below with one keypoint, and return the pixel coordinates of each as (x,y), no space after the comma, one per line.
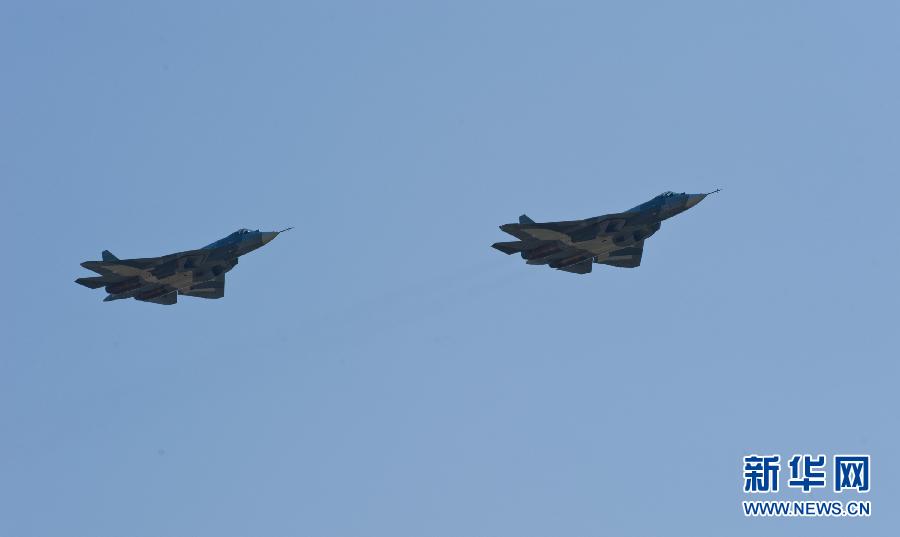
(808,473)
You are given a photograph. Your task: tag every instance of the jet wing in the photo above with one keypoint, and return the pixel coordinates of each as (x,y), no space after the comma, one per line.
(130,267)
(557,254)
(167,299)
(628,257)
(209,289)
(158,294)
(583,267)
(568,231)
(571,258)
(120,273)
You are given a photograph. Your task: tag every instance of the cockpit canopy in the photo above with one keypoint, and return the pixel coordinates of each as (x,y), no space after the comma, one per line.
(667,194)
(233,238)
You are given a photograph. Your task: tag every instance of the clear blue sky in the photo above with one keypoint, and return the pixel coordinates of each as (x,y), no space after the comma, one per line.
(380,370)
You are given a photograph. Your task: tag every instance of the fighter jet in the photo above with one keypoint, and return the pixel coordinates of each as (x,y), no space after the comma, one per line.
(612,239)
(199,273)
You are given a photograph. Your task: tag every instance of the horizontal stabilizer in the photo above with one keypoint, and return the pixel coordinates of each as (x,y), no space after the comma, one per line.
(509,247)
(107,256)
(525,220)
(94,282)
(96,266)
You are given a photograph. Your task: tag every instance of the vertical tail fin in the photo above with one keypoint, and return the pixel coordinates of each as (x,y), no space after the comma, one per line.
(525,220)
(107,256)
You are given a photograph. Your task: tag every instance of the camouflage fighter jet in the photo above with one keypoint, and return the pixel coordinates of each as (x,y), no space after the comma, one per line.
(613,239)
(160,280)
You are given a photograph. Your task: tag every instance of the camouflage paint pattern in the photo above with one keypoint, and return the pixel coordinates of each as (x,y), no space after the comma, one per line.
(199,273)
(612,239)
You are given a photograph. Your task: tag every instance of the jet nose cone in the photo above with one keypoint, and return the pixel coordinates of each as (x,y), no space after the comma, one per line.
(267,236)
(693,199)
